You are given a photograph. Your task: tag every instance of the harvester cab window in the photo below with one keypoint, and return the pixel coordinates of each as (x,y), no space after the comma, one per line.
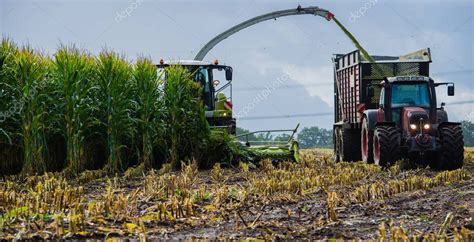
(202,76)
(410,95)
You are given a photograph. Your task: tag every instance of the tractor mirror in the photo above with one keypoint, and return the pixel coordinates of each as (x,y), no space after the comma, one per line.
(370,91)
(228,74)
(216,83)
(451,90)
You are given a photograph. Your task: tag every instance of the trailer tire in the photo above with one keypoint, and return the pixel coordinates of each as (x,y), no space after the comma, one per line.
(386,145)
(337,144)
(347,148)
(451,155)
(366,142)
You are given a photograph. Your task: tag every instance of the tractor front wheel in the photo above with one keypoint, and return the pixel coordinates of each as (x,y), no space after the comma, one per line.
(451,155)
(386,145)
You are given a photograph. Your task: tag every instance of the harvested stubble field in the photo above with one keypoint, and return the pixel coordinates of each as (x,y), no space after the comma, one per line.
(312,199)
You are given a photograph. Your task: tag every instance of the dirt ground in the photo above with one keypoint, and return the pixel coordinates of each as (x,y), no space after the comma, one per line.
(314,199)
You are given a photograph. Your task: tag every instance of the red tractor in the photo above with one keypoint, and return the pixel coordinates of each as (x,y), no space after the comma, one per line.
(402,121)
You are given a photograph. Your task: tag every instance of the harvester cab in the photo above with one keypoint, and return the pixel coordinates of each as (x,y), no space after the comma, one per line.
(387,110)
(216,94)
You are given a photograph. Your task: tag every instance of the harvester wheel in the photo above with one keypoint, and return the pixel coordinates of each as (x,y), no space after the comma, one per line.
(386,145)
(367,143)
(451,155)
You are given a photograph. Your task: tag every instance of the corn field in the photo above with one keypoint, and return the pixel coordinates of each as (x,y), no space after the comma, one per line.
(73,111)
(99,147)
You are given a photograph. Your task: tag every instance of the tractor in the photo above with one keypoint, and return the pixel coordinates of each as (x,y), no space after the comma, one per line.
(218,106)
(387,111)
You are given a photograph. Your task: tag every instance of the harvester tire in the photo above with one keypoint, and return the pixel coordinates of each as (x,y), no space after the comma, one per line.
(451,155)
(367,143)
(347,149)
(386,145)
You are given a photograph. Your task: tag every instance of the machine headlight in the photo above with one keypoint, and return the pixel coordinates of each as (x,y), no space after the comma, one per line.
(427,126)
(413,126)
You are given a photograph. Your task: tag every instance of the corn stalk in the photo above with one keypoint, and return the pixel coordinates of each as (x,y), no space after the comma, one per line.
(186,128)
(73,74)
(149,107)
(30,75)
(116,89)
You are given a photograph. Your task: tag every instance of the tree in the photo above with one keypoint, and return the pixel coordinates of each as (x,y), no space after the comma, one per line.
(315,137)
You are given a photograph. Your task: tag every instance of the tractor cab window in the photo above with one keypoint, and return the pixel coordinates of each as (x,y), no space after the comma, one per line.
(382,98)
(410,95)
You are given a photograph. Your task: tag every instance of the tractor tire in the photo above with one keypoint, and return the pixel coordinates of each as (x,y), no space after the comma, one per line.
(367,143)
(347,148)
(451,155)
(386,147)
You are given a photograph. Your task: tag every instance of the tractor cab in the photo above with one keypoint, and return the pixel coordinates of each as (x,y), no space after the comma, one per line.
(401,95)
(216,94)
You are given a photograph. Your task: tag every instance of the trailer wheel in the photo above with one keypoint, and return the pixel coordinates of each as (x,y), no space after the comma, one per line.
(347,148)
(337,144)
(451,155)
(386,145)
(367,140)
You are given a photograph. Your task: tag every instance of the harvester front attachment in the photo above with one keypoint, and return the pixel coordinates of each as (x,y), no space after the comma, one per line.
(280,148)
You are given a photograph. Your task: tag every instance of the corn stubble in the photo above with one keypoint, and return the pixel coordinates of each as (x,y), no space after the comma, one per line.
(155,202)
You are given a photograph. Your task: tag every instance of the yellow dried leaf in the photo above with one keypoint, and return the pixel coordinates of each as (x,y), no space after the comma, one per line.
(131,226)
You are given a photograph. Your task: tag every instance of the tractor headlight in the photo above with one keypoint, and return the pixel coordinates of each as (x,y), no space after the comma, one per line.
(413,126)
(427,126)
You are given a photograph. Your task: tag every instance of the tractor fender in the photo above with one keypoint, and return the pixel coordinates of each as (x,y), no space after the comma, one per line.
(448,123)
(442,116)
(373,119)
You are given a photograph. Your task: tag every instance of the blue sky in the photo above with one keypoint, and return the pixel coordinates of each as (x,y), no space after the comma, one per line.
(298,48)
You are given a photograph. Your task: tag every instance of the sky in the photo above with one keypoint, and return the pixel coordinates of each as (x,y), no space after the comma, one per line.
(282,68)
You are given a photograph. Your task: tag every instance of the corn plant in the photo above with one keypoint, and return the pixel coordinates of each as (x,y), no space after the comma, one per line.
(116,102)
(73,74)
(7,52)
(29,72)
(186,128)
(149,107)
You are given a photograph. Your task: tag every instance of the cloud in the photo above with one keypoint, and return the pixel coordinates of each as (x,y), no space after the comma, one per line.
(315,80)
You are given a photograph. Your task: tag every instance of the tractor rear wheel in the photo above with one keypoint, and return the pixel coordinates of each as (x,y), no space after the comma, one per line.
(386,145)
(366,141)
(451,155)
